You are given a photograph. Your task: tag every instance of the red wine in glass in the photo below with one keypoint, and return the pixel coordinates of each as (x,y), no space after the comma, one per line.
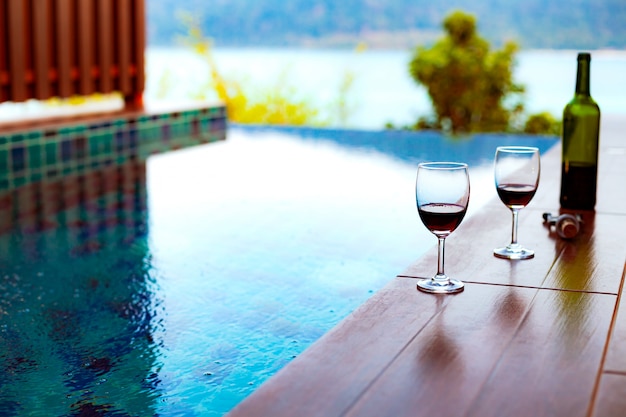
(442,218)
(442,193)
(516,170)
(516,195)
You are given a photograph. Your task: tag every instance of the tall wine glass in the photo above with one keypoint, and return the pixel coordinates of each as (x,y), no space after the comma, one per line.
(442,191)
(517,176)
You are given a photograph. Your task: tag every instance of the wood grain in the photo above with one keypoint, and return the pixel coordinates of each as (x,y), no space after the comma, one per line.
(611,401)
(453,355)
(551,366)
(616,353)
(594,261)
(489,369)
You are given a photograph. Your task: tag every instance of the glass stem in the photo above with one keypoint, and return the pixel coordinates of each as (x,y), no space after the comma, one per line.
(514,231)
(441,276)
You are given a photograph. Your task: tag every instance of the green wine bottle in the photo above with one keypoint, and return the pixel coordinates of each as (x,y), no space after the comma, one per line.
(580,141)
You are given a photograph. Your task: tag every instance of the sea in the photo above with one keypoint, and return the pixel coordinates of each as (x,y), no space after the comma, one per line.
(381,90)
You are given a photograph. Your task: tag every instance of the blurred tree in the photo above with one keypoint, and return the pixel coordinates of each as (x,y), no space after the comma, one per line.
(279,104)
(542,123)
(471,87)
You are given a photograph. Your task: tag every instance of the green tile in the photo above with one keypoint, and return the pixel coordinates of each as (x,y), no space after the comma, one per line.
(175,129)
(64,132)
(34,156)
(34,136)
(142,135)
(106,142)
(157,133)
(93,148)
(19,181)
(51,153)
(4,161)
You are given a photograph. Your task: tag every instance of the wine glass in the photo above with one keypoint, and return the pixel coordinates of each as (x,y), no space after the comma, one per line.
(517,176)
(442,191)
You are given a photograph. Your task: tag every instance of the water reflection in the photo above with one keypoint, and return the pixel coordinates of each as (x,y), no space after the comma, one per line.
(510,308)
(76,297)
(575,271)
(440,351)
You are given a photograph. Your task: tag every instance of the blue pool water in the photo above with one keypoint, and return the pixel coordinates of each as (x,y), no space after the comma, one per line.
(176,285)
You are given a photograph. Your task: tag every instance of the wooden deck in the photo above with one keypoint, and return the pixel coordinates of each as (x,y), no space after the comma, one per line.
(539,337)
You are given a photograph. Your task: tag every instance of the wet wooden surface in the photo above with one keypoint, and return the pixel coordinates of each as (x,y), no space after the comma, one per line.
(539,337)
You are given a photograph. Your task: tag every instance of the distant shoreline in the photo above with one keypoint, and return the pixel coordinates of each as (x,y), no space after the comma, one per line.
(374,47)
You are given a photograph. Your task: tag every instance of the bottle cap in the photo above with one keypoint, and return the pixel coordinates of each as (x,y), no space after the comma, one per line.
(584,56)
(568,228)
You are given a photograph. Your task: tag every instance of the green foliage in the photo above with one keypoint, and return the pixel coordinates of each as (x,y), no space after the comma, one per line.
(277,104)
(82,100)
(542,123)
(470,86)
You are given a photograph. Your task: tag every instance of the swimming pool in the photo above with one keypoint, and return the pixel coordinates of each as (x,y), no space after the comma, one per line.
(177,283)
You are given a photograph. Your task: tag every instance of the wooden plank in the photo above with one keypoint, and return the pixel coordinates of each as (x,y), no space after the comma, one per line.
(17,50)
(616,353)
(139,46)
(441,372)
(611,131)
(105,45)
(611,401)
(612,173)
(65,47)
(124,41)
(341,365)
(595,259)
(41,40)
(551,366)
(86,46)
(4,65)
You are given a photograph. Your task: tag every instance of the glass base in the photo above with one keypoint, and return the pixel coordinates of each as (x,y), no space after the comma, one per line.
(514,252)
(446,286)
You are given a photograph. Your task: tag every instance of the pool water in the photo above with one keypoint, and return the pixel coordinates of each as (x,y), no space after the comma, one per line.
(177,284)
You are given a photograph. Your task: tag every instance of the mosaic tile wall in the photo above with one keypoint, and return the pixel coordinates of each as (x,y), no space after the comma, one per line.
(45,154)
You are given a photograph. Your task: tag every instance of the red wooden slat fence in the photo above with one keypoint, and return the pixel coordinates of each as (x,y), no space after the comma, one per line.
(63,48)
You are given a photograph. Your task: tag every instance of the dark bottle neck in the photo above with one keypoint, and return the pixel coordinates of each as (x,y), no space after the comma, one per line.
(583,74)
